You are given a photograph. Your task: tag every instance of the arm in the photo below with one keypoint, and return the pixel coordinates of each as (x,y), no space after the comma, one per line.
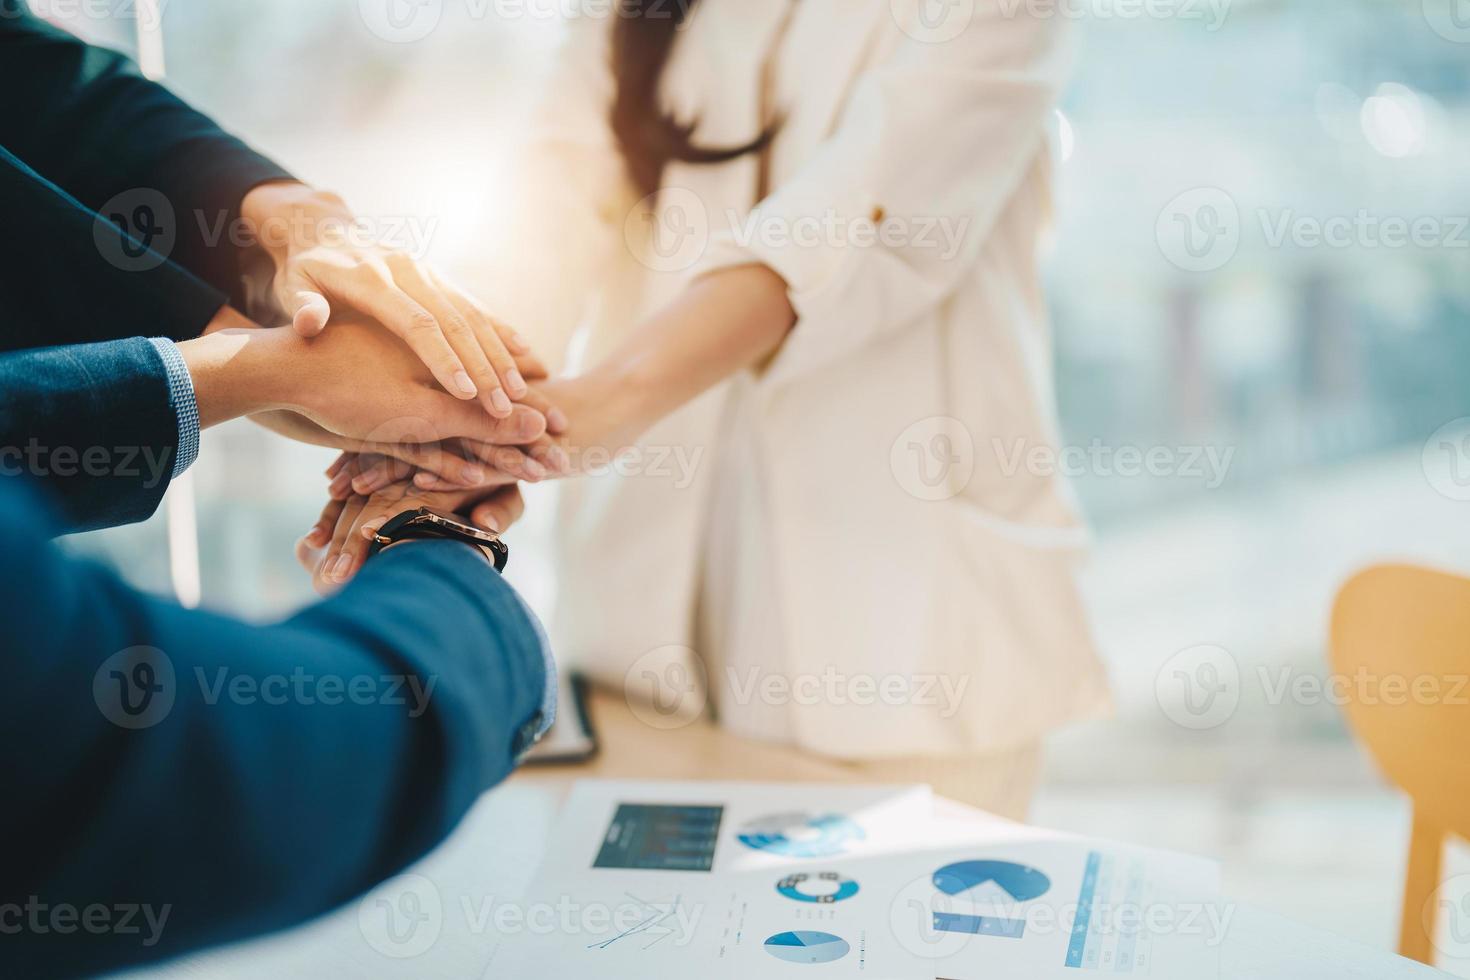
(242,800)
(940,132)
(724,322)
(93,423)
(114,142)
(90,122)
(104,427)
(743,314)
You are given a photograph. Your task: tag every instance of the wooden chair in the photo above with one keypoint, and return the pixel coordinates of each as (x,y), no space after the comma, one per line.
(1397,621)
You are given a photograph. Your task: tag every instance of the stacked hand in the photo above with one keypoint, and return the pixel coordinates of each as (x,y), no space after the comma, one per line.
(314,269)
(382,358)
(722,322)
(367,488)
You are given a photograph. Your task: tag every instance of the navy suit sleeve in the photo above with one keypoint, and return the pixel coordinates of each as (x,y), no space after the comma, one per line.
(225,780)
(86,119)
(93,425)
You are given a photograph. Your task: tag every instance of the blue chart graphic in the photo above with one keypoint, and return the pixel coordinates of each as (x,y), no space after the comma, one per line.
(831,887)
(660,922)
(977,878)
(801,835)
(658,837)
(807,947)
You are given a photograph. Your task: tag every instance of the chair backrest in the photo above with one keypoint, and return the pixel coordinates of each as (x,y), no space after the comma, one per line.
(1401,656)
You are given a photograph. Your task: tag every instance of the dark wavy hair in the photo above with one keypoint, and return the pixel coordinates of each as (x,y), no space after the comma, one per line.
(643,39)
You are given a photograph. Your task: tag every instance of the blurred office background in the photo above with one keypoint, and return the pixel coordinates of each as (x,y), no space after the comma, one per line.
(1289,385)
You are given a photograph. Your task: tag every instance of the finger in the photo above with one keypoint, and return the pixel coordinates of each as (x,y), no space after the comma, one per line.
(459,420)
(514,341)
(479,349)
(454,467)
(379,472)
(358,539)
(532,367)
(341,486)
(511,461)
(337,464)
(320,533)
(551,455)
(308,556)
(500,510)
(336,567)
(500,355)
(370,287)
(546,451)
(305,305)
(556,420)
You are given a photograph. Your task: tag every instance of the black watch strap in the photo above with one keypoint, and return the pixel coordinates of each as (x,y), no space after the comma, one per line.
(425,524)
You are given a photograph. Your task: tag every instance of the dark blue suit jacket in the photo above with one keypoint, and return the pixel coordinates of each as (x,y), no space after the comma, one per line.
(197,781)
(217,779)
(115,194)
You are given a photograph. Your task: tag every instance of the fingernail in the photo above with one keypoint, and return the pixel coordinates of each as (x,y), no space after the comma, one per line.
(465,384)
(500,402)
(535,470)
(367,483)
(556,420)
(515,381)
(424,480)
(343,566)
(371,528)
(559,459)
(312,536)
(474,475)
(339,485)
(519,343)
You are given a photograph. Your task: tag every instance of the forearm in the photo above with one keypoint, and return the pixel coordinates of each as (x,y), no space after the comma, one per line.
(239,368)
(722,323)
(94,106)
(231,368)
(356,735)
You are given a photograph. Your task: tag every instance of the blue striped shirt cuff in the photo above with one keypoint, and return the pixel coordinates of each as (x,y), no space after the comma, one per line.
(181,399)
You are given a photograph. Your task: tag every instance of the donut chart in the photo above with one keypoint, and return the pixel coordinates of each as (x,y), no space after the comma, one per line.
(807,947)
(818,887)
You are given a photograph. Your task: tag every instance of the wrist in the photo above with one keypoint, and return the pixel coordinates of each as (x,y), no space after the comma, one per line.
(286,216)
(628,396)
(229,318)
(237,372)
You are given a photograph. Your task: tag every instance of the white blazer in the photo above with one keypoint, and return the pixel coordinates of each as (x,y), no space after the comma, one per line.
(853,546)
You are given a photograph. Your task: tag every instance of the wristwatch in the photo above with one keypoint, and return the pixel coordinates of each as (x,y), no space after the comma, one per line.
(425,525)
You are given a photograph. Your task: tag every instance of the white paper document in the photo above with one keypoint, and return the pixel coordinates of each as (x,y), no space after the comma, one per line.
(707,881)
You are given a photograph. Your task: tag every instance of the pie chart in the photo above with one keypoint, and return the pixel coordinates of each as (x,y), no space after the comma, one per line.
(807,947)
(1018,881)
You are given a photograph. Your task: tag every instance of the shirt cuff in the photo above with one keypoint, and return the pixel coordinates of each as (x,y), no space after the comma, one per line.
(181,400)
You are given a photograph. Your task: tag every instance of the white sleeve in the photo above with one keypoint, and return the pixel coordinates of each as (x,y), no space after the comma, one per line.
(939,132)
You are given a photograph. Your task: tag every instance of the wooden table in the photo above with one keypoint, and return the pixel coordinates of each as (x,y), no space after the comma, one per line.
(490,860)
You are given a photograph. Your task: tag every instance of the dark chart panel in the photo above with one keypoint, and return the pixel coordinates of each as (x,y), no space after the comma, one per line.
(660,837)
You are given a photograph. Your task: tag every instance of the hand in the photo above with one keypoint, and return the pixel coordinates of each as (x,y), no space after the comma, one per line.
(606,417)
(336,546)
(354,386)
(727,320)
(314,267)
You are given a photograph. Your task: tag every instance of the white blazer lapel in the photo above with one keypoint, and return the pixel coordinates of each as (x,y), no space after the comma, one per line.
(828,45)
